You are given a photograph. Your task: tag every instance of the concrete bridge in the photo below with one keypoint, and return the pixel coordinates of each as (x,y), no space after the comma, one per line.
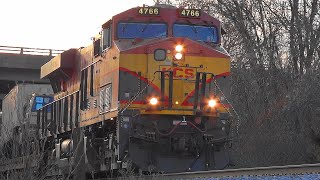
(22,65)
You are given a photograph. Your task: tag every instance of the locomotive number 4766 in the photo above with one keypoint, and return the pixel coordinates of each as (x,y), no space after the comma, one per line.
(149,11)
(195,13)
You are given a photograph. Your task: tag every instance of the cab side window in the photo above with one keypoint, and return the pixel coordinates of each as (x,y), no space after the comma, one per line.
(106,38)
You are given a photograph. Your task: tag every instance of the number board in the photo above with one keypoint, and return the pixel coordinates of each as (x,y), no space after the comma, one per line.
(193,13)
(149,11)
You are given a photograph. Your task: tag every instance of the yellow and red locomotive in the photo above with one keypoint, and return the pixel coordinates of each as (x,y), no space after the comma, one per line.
(150,90)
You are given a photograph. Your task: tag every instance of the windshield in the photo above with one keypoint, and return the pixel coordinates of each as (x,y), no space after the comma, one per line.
(198,33)
(141,30)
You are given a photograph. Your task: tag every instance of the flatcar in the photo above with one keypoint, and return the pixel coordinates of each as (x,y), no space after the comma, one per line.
(149,93)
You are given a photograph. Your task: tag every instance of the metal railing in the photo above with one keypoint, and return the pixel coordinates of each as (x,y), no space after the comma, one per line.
(29,51)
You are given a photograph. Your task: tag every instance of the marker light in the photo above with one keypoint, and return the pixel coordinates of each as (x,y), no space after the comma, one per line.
(179,48)
(178,56)
(212,103)
(153,101)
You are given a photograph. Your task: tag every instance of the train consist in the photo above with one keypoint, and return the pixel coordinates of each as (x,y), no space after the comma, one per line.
(150,91)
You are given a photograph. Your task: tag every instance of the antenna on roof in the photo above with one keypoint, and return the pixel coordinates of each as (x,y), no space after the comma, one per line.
(165,2)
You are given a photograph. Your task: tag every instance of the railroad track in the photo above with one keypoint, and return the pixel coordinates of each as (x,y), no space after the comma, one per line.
(304,171)
(259,171)
(289,170)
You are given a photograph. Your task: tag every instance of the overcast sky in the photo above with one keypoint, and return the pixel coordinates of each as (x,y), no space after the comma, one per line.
(56,24)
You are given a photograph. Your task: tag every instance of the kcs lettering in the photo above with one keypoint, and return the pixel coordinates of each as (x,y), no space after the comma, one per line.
(180,72)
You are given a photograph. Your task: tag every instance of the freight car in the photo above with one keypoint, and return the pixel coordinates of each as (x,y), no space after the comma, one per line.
(18,125)
(150,93)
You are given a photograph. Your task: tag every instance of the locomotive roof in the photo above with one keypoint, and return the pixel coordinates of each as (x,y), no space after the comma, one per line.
(168,14)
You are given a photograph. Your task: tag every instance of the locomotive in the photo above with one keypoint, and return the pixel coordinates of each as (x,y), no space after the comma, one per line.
(150,92)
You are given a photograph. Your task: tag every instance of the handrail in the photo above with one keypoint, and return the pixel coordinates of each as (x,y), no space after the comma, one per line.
(59,99)
(30,51)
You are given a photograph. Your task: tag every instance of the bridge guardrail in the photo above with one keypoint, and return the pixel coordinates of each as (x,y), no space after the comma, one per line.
(29,51)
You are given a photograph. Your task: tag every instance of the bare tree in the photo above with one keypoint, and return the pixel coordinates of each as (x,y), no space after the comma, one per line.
(274,46)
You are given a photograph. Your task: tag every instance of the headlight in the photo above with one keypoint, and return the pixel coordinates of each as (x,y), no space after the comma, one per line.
(179,48)
(153,101)
(212,103)
(178,56)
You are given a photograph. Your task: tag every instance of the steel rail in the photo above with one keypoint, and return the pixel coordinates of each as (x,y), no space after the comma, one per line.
(303,169)
(257,171)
